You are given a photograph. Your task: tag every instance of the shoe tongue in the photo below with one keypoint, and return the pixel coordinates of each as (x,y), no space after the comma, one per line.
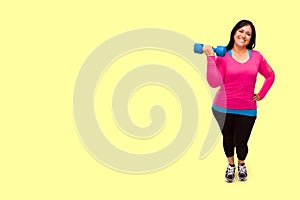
(242,164)
(232,165)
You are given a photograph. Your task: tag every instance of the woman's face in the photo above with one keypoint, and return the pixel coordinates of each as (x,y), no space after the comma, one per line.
(242,36)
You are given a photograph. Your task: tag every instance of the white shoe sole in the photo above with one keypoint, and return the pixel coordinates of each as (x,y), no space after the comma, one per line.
(242,179)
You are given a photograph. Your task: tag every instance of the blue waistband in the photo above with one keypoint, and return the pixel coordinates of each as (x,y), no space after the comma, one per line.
(250,112)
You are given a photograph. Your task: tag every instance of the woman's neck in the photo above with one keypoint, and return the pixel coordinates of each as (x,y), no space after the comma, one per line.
(239,50)
(241,55)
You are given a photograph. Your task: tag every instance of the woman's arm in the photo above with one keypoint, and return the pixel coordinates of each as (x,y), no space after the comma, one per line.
(215,71)
(215,68)
(267,72)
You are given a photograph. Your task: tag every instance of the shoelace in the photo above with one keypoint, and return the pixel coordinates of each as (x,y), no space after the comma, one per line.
(242,169)
(230,170)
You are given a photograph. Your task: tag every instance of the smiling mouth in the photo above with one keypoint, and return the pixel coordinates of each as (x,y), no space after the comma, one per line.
(242,40)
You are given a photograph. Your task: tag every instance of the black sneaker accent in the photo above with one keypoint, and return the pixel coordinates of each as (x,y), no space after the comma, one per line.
(229,174)
(242,172)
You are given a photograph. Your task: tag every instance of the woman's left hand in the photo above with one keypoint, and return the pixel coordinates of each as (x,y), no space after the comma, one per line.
(256,97)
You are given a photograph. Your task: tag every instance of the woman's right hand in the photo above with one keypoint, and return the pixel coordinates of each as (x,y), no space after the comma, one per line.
(207,49)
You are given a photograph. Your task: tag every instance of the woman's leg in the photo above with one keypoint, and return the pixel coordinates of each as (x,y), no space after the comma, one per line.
(226,124)
(243,128)
(242,131)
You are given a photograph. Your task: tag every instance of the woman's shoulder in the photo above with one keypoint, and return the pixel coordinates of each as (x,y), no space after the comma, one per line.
(257,54)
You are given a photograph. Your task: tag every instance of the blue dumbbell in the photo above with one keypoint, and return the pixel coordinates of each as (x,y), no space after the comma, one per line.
(220,50)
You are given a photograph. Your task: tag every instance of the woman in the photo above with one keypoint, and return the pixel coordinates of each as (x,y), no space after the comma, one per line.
(234,106)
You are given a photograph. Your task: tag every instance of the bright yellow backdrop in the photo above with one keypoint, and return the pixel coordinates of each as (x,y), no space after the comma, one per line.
(42,48)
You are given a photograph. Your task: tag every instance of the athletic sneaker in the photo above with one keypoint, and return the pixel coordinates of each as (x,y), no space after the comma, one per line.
(242,174)
(229,175)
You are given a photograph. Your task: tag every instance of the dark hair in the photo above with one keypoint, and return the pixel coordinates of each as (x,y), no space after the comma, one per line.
(240,24)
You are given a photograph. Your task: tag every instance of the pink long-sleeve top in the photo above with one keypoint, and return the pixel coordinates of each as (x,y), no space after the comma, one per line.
(236,81)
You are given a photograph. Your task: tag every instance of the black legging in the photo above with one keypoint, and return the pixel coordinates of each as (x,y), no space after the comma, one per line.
(236,130)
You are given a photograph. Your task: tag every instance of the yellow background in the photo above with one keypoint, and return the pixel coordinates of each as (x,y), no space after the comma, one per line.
(42,47)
